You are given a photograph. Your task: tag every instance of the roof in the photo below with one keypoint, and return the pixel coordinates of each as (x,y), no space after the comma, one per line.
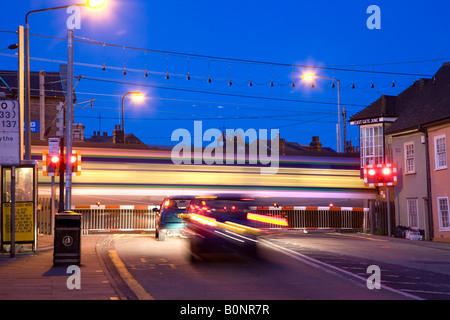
(383,107)
(424,102)
(431,102)
(52,84)
(293,148)
(129,137)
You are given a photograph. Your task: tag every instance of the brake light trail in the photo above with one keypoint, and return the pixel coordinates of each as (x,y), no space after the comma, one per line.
(267,219)
(203,220)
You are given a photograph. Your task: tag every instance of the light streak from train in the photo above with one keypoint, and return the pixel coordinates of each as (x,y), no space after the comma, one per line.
(122,172)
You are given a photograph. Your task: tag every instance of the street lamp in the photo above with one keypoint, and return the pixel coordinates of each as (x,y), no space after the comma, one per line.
(136,96)
(69,97)
(94,4)
(310,77)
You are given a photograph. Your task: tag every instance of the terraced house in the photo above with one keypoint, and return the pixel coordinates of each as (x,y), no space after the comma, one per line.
(412,130)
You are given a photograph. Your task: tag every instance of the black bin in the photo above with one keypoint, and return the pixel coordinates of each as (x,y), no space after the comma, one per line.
(67,242)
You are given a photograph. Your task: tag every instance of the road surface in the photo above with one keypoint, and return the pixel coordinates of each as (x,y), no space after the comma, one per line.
(291,266)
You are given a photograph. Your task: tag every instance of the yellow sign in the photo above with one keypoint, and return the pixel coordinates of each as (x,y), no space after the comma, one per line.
(24,222)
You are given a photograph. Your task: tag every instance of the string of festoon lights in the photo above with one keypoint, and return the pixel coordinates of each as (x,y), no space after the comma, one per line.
(230,63)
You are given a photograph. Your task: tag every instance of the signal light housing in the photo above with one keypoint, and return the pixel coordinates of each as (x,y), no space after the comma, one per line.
(75,161)
(53,165)
(380,175)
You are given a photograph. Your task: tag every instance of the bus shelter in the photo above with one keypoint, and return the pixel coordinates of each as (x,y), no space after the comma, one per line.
(19,205)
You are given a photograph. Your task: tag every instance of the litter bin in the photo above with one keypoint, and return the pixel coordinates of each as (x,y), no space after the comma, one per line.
(67,242)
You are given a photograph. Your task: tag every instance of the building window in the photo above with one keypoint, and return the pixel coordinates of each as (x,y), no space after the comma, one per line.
(371,144)
(410,165)
(413,214)
(440,152)
(444,219)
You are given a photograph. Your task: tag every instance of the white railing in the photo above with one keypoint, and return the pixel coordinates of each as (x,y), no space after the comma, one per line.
(142,218)
(342,218)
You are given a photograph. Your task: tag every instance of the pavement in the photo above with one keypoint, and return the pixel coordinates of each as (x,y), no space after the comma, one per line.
(32,276)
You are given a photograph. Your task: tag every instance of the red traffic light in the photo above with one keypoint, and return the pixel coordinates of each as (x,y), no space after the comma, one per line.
(54,159)
(75,161)
(380,175)
(52,165)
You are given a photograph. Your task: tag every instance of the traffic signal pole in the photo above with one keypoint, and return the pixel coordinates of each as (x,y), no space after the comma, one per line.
(388,199)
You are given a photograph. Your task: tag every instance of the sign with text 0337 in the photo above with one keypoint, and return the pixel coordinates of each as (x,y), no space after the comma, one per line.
(9,133)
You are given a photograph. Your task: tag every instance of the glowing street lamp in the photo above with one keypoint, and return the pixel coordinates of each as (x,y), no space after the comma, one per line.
(310,77)
(95,4)
(136,96)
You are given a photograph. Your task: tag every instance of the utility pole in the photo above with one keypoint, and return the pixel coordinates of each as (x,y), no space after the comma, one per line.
(344,118)
(69,119)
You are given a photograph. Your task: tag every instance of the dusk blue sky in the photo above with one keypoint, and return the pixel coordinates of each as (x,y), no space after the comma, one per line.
(188,37)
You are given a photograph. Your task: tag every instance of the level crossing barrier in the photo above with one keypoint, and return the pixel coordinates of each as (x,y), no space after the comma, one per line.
(311,218)
(129,218)
(123,218)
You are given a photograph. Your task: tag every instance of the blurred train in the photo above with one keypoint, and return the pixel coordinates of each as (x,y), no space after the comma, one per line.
(135,177)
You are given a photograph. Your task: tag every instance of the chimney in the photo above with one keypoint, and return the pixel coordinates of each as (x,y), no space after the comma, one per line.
(118,135)
(282,146)
(315,144)
(348,147)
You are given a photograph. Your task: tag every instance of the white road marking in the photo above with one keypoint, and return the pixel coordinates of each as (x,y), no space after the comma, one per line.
(328,267)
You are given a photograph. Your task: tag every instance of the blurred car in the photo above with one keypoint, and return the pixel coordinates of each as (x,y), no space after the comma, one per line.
(222,221)
(168,220)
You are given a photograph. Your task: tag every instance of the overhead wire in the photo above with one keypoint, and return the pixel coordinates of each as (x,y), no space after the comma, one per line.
(217,93)
(248,61)
(250,81)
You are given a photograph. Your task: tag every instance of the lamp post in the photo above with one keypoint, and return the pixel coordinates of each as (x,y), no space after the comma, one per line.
(137,96)
(69,97)
(27,94)
(311,77)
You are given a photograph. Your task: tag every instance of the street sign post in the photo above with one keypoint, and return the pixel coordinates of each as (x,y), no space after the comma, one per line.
(9,133)
(53,146)
(10,153)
